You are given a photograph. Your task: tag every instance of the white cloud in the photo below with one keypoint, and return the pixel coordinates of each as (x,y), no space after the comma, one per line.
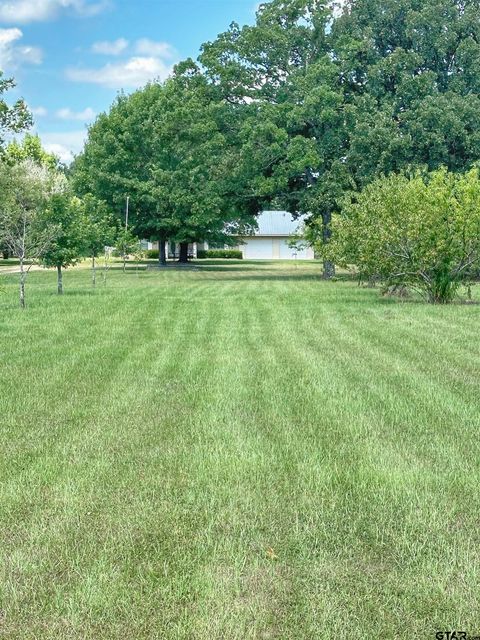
(30,55)
(7,36)
(146,47)
(83,116)
(114,48)
(12,55)
(25,11)
(65,145)
(40,112)
(130,74)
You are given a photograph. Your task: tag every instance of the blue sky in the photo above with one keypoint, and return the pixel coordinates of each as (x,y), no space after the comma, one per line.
(71,57)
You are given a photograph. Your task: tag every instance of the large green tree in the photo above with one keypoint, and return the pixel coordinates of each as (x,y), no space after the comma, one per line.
(412,79)
(118,162)
(172,148)
(338,95)
(296,130)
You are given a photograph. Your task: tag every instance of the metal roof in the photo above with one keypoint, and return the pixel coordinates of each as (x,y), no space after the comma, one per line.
(277,223)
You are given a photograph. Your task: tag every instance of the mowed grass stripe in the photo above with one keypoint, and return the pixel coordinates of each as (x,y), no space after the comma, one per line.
(94,451)
(239,451)
(365,382)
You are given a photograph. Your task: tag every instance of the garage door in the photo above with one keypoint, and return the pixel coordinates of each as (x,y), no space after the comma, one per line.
(258,249)
(286,253)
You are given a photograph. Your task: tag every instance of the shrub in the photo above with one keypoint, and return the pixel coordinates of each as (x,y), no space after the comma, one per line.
(152,254)
(421,232)
(226,254)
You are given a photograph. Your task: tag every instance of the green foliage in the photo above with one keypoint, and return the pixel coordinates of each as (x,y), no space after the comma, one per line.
(333,101)
(26,228)
(27,191)
(152,254)
(15,118)
(30,149)
(66,213)
(422,232)
(228,254)
(306,105)
(171,148)
(99,226)
(39,194)
(126,244)
(4,250)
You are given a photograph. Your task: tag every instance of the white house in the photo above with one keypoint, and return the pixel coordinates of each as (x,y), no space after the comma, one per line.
(268,242)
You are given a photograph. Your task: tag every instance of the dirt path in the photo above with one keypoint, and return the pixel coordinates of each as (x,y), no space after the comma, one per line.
(16,269)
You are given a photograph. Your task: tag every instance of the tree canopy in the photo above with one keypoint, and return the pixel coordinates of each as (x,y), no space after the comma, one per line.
(171,148)
(30,148)
(13,118)
(337,96)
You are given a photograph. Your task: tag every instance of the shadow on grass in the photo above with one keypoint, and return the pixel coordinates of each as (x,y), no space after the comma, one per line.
(231,276)
(244,263)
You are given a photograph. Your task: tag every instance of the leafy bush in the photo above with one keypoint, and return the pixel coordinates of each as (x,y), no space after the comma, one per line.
(421,232)
(152,254)
(227,254)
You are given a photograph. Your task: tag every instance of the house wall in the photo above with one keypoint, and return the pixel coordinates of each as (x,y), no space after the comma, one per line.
(256,248)
(272,248)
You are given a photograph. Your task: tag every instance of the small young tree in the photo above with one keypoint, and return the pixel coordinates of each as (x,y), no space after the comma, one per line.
(421,232)
(26,190)
(107,263)
(126,244)
(139,254)
(66,249)
(99,230)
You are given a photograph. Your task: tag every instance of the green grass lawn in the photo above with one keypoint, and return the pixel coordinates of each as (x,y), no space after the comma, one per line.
(236,451)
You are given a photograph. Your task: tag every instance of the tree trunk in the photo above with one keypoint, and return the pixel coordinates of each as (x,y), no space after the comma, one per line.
(124,263)
(162,254)
(105,268)
(23,277)
(328,266)
(60,280)
(183,259)
(94,271)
